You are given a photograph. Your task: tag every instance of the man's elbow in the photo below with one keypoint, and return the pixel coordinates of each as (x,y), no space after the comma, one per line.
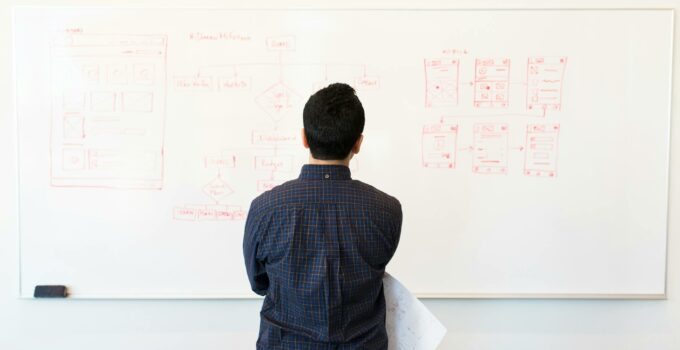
(260,290)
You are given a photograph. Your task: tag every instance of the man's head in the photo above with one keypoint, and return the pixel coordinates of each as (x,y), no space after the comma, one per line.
(333,121)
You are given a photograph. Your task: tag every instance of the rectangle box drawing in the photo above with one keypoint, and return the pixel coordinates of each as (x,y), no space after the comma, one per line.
(266,185)
(281,43)
(102,101)
(208,213)
(193,83)
(73,158)
(441,82)
(367,83)
(74,127)
(276,137)
(91,73)
(541,150)
(223,160)
(544,82)
(73,101)
(439,142)
(137,102)
(228,83)
(274,163)
(144,74)
(118,74)
(490,149)
(492,82)
(101,75)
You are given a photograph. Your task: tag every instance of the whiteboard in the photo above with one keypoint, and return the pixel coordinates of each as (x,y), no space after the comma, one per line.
(529,148)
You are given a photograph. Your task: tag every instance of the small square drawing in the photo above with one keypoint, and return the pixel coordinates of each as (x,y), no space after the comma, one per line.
(102,101)
(73,159)
(118,74)
(73,127)
(73,101)
(144,74)
(138,102)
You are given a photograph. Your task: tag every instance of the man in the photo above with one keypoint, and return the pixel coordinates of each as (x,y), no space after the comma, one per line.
(317,246)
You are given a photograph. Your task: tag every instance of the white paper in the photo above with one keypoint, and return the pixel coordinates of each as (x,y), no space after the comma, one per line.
(410,325)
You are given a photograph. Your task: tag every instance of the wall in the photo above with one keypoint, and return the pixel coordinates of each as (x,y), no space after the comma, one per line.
(232,324)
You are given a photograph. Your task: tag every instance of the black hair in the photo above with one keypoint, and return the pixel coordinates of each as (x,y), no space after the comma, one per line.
(333,119)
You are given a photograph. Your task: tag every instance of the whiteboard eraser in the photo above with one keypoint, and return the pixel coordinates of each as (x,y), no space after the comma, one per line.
(50,292)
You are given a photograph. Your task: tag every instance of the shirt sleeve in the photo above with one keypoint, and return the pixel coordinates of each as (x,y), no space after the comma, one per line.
(396,233)
(255,265)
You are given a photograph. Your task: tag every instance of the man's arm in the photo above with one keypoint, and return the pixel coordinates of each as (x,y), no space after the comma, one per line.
(395,229)
(257,273)
(396,236)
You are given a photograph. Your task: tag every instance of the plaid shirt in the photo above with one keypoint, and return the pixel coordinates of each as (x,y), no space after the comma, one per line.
(317,248)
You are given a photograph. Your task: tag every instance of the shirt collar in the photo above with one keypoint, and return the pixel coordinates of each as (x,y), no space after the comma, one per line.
(325,172)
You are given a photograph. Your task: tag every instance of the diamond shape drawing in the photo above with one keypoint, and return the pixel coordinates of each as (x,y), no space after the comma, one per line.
(217,189)
(278,101)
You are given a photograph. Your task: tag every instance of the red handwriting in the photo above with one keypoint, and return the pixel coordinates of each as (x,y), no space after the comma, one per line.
(193,83)
(367,83)
(266,185)
(275,137)
(274,163)
(221,161)
(219,36)
(234,83)
(281,43)
(208,213)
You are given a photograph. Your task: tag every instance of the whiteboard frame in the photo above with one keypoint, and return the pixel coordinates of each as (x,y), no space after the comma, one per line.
(27,295)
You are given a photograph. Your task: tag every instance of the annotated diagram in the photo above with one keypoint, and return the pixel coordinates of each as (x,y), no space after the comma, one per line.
(544,82)
(490,115)
(439,145)
(217,192)
(441,82)
(541,151)
(271,157)
(492,82)
(490,149)
(108,111)
(268,158)
(511,110)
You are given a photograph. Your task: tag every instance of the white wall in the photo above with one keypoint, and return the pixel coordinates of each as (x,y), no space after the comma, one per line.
(232,324)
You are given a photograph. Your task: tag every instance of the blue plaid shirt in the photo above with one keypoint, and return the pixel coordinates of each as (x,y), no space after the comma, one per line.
(317,247)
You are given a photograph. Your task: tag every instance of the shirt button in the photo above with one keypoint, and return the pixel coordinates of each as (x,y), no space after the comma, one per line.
(326,176)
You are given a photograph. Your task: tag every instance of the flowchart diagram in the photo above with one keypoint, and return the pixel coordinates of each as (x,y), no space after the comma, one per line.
(271,153)
(109,113)
(490,144)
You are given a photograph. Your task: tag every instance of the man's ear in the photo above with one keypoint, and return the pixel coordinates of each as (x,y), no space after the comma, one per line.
(303,137)
(357,145)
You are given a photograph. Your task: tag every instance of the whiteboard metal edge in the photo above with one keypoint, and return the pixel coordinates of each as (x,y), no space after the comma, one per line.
(671,113)
(659,7)
(530,296)
(584,296)
(15,115)
(662,296)
(197,296)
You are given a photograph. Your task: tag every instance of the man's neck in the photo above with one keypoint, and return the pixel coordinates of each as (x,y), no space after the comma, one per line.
(315,161)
